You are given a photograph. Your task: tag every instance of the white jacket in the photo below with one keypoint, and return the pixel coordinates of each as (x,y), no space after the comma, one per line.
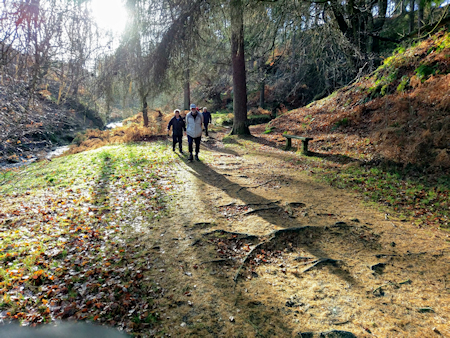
(194,125)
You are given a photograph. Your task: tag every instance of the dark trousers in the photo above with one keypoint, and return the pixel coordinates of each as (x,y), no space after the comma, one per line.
(177,138)
(197,140)
(206,129)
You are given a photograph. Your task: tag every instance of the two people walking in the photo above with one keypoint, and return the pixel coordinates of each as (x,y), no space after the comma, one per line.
(192,127)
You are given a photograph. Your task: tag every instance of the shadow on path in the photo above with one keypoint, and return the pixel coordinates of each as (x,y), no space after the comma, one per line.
(209,176)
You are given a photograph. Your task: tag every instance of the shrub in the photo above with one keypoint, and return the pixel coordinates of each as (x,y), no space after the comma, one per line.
(424,71)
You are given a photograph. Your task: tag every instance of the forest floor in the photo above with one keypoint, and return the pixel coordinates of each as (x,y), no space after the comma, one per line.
(247,242)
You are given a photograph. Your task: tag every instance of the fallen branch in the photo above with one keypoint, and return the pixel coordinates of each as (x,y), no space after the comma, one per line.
(340,323)
(408,281)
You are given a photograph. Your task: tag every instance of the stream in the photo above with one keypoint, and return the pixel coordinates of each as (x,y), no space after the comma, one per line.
(25,161)
(22,161)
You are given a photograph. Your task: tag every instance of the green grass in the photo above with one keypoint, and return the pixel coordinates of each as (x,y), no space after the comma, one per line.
(70,214)
(419,199)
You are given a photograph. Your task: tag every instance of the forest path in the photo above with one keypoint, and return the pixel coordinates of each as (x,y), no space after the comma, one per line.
(255,247)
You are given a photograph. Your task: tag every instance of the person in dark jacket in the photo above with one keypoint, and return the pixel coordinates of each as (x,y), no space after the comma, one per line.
(206,119)
(178,125)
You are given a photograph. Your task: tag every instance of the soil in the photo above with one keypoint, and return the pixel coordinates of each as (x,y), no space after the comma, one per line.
(257,247)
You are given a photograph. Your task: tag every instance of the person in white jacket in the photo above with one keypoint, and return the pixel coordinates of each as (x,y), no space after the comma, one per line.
(194,124)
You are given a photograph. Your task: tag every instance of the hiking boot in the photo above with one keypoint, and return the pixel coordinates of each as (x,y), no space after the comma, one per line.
(173,149)
(181,152)
(196,157)
(190,157)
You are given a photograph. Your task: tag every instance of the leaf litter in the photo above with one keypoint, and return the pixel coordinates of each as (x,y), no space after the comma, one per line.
(65,252)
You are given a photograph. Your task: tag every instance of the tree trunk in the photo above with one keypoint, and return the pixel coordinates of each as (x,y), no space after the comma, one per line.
(186,90)
(262,100)
(240,126)
(411,16)
(144,111)
(420,14)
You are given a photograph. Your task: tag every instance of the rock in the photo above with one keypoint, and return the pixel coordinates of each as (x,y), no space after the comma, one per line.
(378,268)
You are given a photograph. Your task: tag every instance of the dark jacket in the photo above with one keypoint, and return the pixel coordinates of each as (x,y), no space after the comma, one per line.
(177,125)
(206,117)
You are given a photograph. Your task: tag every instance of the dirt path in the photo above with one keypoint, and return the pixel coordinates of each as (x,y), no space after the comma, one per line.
(256,247)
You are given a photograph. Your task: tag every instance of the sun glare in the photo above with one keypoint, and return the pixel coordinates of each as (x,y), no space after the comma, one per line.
(110,14)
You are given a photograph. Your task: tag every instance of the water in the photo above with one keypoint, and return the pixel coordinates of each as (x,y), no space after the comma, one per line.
(25,161)
(56,152)
(113,125)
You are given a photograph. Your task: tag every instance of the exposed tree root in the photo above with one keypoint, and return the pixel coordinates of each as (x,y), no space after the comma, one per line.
(299,258)
(240,234)
(262,209)
(220,231)
(238,272)
(265,203)
(321,261)
(256,186)
(288,230)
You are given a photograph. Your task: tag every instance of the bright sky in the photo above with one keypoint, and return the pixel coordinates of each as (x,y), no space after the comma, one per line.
(110,14)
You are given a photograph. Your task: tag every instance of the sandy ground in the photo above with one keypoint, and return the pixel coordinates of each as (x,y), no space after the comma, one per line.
(294,256)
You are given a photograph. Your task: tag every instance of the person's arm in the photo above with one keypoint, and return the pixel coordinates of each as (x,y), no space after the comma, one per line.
(168,126)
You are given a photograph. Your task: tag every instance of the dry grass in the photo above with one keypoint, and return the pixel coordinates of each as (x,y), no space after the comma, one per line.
(406,126)
(132,131)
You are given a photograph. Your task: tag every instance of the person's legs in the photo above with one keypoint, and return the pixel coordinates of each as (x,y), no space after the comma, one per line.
(197,146)
(190,140)
(180,144)
(206,129)
(174,142)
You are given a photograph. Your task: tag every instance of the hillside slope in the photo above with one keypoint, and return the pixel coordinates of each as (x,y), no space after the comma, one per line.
(400,113)
(26,132)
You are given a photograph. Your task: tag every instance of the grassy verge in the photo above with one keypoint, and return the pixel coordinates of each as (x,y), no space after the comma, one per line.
(407,193)
(64,253)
